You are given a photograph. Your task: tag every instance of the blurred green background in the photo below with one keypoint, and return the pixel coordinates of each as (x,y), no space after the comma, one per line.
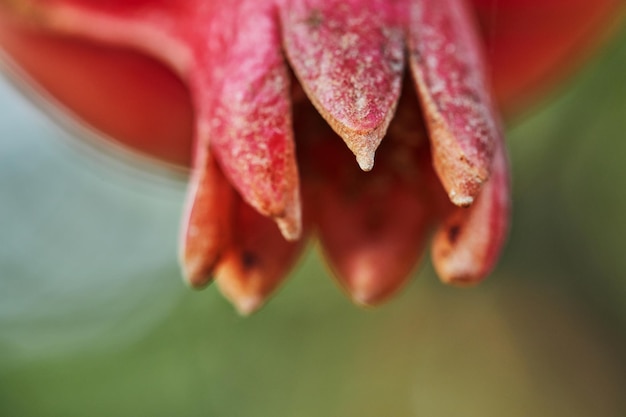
(95,319)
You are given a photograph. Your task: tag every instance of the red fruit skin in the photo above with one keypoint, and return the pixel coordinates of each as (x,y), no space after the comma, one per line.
(529,45)
(102,86)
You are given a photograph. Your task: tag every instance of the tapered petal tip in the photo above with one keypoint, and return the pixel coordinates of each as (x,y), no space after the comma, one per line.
(240,287)
(367,293)
(460,200)
(463,281)
(197,273)
(364,144)
(460,272)
(290,224)
(372,284)
(246,306)
(290,230)
(370,278)
(365,160)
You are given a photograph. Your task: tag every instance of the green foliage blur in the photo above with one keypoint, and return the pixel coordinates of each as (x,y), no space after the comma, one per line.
(95,320)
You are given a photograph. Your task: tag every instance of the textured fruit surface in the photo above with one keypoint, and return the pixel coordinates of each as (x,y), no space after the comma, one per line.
(264,94)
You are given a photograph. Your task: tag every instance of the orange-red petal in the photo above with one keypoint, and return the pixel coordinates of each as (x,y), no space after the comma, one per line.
(372,225)
(206,225)
(257,260)
(468,243)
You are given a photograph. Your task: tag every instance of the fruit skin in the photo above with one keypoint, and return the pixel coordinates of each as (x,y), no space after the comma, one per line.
(348,58)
